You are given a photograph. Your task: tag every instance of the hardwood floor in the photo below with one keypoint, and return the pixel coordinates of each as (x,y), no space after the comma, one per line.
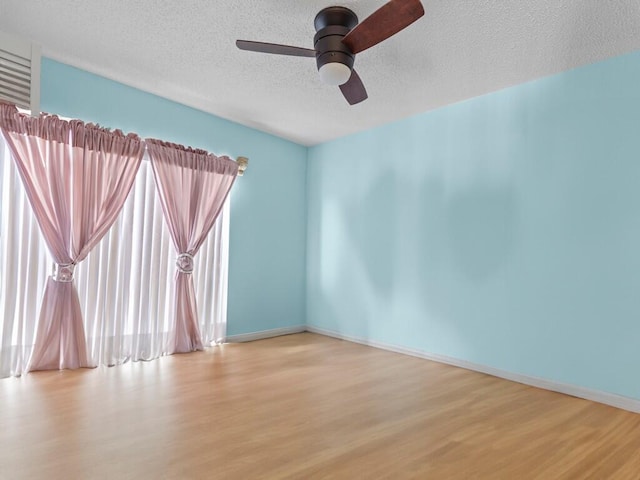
(304,407)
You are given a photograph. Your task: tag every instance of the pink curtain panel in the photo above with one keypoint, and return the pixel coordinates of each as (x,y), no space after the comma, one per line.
(192,186)
(77,177)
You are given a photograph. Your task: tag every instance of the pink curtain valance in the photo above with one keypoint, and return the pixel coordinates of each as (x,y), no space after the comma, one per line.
(189,157)
(74,132)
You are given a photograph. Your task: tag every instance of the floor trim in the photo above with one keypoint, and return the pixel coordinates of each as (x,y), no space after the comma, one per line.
(275,332)
(610,399)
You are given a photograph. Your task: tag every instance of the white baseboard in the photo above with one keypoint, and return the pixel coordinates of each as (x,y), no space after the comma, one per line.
(611,399)
(276,332)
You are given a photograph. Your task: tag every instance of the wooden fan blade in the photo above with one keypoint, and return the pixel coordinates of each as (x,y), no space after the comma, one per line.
(383,23)
(274,48)
(354,90)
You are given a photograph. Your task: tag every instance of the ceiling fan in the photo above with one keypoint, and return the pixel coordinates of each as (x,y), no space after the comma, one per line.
(339,37)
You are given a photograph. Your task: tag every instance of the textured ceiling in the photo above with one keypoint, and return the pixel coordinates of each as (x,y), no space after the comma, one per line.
(185,51)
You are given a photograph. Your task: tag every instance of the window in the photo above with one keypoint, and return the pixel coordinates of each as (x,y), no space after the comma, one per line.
(125,285)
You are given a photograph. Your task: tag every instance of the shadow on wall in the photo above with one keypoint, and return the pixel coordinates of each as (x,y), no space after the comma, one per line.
(410,257)
(464,251)
(480,229)
(471,232)
(373,227)
(357,245)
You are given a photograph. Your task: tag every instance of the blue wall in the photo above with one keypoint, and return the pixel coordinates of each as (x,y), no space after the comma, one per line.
(504,230)
(268,204)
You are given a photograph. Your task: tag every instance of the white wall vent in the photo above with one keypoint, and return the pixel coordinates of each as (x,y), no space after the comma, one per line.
(20,72)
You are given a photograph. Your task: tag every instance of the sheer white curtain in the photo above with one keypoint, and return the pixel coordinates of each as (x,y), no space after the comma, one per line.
(125,285)
(24,265)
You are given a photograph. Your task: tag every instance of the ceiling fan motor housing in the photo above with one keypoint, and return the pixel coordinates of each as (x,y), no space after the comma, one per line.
(332,24)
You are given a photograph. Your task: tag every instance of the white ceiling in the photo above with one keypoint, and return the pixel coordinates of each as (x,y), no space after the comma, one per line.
(185,51)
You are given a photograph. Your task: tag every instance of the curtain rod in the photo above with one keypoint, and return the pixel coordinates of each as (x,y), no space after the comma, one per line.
(243,162)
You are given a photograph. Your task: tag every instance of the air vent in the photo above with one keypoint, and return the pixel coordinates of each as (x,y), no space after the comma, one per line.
(20,72)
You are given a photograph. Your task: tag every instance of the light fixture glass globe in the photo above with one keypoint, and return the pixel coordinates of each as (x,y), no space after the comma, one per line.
(334,73)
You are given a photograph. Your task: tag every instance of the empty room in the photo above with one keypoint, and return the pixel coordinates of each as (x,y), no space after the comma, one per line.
(320,240)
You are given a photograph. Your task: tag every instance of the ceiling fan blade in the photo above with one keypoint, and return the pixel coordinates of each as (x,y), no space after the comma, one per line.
(383,23)
(274,48)
(354,90)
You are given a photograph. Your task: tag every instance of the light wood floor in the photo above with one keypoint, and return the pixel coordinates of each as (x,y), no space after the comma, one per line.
(304,407)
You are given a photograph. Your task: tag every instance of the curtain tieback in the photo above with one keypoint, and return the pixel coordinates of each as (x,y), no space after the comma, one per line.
(63,272)
(184,262)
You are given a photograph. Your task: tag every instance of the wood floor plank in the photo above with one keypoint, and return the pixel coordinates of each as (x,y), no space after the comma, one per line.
(304,407)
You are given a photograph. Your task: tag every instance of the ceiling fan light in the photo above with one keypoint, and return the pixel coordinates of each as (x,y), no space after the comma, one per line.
(334,73)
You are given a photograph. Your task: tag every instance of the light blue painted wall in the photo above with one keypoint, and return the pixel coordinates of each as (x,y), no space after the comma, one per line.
(268,204)
(504,230)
